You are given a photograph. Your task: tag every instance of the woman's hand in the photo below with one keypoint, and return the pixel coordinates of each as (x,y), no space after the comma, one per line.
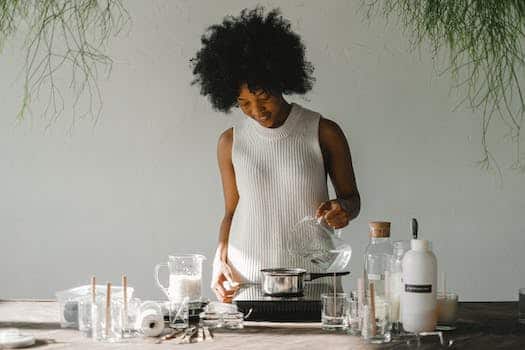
(224,286)
(334,212)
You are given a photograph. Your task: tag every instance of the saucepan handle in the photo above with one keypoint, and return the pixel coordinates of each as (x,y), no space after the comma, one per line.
(313,275)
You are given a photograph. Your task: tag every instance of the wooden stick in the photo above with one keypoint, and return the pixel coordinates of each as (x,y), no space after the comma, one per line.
(93,289)
(373,328)
(108,309)
(125,295)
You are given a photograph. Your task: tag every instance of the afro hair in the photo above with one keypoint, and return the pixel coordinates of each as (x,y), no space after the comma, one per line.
(261,51)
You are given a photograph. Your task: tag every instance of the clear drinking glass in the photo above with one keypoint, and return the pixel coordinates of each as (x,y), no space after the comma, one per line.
(376,327)
(447,309)
(521,306)
(129,316)
(85,316)
(107,320)
(334,311)
(178,314)
(354,314)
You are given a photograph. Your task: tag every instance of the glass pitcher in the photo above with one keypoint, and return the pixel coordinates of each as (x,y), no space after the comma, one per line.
(185,277)
(313,239)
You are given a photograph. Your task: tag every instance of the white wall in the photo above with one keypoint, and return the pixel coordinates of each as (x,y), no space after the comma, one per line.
(143,182)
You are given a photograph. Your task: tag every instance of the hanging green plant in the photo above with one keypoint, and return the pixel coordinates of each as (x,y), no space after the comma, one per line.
(60,34)
(484,41)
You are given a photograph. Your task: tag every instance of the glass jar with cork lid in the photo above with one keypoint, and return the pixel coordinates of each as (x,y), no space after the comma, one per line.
(378,254)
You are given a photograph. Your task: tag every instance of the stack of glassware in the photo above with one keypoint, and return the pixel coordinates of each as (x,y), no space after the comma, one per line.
(221,315)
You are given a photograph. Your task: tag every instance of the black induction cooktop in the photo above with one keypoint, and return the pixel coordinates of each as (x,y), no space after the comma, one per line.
(306,308)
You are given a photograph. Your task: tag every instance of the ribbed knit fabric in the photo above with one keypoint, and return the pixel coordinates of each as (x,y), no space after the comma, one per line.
(281,178)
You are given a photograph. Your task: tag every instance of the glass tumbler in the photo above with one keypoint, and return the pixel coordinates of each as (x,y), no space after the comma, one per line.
(447,310)
(334,311)
(129,316)
(376,323)
(85,316)
(107,320)
(178,314)
(354,314)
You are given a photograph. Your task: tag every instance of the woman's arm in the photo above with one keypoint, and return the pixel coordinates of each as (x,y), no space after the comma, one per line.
(229,186)
(231,198)
(338,164)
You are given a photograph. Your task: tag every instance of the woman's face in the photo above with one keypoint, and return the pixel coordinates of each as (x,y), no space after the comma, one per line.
(268,110)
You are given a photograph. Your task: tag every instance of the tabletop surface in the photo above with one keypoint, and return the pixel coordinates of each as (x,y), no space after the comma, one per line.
(480,326)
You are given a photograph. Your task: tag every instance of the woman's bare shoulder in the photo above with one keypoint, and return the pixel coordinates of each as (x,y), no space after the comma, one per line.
(226,138)
(329,130)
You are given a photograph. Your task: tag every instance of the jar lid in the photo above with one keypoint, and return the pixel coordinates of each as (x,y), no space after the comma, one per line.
(379,229)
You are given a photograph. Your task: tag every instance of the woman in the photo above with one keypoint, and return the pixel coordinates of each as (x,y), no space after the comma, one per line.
(274,164)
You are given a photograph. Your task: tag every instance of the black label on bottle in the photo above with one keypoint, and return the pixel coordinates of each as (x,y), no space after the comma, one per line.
(418,288)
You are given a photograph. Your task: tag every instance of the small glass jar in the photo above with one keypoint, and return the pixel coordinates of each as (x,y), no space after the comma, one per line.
(354,314)
(86,316)
(179,314)
(334,314)
(106,320)
(129,316)
(447,310)
(376,328)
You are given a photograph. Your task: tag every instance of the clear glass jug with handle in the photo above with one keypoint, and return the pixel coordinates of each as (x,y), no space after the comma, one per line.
(313,239)
(185,277)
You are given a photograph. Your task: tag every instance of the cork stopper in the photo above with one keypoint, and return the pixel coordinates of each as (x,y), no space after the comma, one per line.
(379,229)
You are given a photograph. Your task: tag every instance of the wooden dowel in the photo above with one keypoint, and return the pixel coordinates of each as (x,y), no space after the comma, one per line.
(373,325)
(108,309)
(93,289)
(125,295)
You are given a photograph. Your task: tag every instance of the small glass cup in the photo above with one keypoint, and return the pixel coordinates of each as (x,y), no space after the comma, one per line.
(376,329)
(334,311)
(447,310)
(107,321)
(354,314)
(129,316)
(178,314)
(521,306)
(85,316)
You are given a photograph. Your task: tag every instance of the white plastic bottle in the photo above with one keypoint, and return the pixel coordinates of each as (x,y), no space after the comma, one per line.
(418,297)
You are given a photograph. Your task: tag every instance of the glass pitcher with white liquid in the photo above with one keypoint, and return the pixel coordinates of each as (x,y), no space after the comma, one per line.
(185,277)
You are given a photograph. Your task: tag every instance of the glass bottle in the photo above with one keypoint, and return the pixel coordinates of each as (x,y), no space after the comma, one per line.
(378,254)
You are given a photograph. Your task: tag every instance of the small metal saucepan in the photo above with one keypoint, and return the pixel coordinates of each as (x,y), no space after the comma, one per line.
(289,282)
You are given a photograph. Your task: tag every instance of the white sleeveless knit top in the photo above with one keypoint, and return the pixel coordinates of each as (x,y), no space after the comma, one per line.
(280,178)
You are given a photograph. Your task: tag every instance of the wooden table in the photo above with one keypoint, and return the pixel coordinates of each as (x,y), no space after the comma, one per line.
(481,326)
